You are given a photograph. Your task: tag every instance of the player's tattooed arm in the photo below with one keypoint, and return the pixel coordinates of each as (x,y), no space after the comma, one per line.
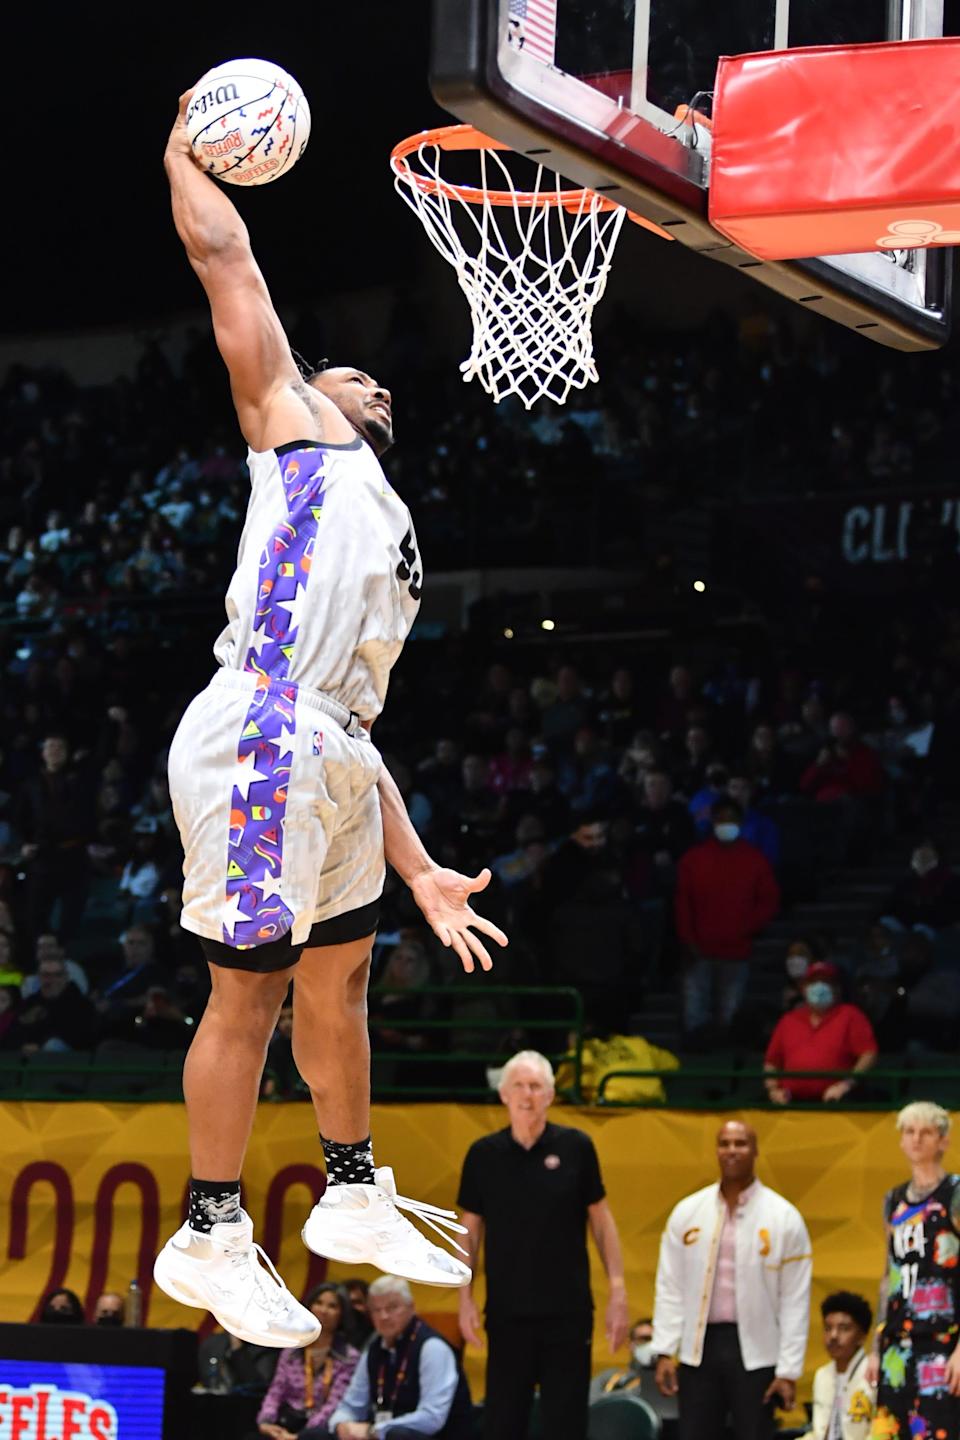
(442,895)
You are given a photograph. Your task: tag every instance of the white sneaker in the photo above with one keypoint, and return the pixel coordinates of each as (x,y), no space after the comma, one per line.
(362,1225)
(221,1272)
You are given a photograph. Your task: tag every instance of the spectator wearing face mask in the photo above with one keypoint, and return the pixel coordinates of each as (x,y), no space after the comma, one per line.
(637,1377)
(109,1309)
(61,1307)
(822,1034)
(726,893)
(928,898)
(758,829)
(702,803)
(801,954)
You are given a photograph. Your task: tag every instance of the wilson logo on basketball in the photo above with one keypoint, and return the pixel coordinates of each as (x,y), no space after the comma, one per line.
(223,146)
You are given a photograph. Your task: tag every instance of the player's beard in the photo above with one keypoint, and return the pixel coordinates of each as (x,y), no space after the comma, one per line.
(377,433)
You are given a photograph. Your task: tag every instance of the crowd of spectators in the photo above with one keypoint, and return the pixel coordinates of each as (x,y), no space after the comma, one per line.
(647,808)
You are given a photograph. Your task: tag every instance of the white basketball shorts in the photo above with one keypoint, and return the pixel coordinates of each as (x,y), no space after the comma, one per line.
(274,790)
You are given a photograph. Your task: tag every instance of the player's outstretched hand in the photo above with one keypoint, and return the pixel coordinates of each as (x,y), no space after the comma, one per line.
(443,897)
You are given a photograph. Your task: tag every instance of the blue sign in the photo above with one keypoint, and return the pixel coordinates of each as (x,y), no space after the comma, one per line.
(44,1401)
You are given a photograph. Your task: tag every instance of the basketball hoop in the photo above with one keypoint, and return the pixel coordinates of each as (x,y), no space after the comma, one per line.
(532,263)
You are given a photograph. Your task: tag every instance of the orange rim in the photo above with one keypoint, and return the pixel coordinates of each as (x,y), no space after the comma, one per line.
(467,137)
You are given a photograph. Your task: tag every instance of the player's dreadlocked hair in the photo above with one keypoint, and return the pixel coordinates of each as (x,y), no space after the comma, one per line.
(308,371)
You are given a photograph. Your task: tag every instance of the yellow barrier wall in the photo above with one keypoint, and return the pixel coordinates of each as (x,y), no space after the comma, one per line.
(88,1191)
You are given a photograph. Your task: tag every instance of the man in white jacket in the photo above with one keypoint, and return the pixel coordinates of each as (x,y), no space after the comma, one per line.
(844,1400)
(732,1306)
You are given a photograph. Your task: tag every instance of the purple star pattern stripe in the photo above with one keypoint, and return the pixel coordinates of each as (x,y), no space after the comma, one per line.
(255,910)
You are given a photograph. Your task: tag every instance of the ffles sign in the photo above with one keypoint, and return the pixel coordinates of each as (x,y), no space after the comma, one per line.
(44,1412)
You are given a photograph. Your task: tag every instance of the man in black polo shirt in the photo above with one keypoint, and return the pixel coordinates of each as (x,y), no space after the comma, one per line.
(528,1192)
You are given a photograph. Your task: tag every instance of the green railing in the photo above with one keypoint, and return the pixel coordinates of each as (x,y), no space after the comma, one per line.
(396,1073)
(716,1087)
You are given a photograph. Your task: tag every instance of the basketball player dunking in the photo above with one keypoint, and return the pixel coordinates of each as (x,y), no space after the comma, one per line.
(284,808)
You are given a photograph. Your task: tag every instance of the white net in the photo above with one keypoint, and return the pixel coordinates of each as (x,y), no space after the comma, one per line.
(532,267)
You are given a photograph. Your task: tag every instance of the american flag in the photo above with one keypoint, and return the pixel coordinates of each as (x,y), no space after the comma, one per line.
(534,23)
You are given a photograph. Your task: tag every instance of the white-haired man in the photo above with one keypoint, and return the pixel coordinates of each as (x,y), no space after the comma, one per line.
(527,1194)
(916,1357)
(408,1382)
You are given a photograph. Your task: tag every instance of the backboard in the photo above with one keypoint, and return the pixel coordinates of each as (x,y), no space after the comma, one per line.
(591,88)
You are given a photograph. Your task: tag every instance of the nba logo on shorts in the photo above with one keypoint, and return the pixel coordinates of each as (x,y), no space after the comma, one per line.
(318,742)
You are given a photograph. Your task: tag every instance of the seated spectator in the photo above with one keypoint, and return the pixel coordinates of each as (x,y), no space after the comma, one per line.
(54,819)
(510,769)
(160,1024)
(48,947)
(619,709)
(766,765)
(637,1377)
(726,894)
(844,1401)
(358,1324)
(543,799)
(663,829)
(124,991)
(58,1016)
(801,954)
(522,862)
(698,756)
(926,899)
(407,971)
(563,717)
(139,882)
(10,972)
(643,754)
(9,1005)
(418,806)
(226,1364)
(408,1371)
(309,1384)
(588,778)
(61,1307)
(822,1034)
(701,804)
(758,829)
(109,1309)
(845,767)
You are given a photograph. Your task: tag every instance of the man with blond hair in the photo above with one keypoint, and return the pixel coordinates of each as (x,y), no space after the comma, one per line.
(528,1193)
(916,1357)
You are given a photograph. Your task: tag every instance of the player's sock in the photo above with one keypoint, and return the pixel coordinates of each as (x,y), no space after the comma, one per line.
(213,1202)
(348,1164)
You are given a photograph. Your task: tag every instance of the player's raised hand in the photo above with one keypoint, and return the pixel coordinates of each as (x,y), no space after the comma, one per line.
(443,896)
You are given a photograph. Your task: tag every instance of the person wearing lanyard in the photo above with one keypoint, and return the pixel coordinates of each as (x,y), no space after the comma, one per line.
(844,1401)
(408,1383)
(732,1306)
(309,1383)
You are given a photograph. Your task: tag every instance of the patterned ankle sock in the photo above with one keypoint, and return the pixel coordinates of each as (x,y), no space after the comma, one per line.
(348,1164)
(213,1202)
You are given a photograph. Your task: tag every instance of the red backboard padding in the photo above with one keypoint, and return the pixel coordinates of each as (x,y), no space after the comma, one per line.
(838,149)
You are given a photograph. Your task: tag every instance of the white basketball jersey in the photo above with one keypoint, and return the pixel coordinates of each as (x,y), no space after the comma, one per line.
(328,577)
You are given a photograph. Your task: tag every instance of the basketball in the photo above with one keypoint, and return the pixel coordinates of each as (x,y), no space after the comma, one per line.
(248,122)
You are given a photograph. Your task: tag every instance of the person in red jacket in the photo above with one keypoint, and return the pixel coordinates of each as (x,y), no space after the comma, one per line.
(845,768)
(822,1034)
(726,893)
